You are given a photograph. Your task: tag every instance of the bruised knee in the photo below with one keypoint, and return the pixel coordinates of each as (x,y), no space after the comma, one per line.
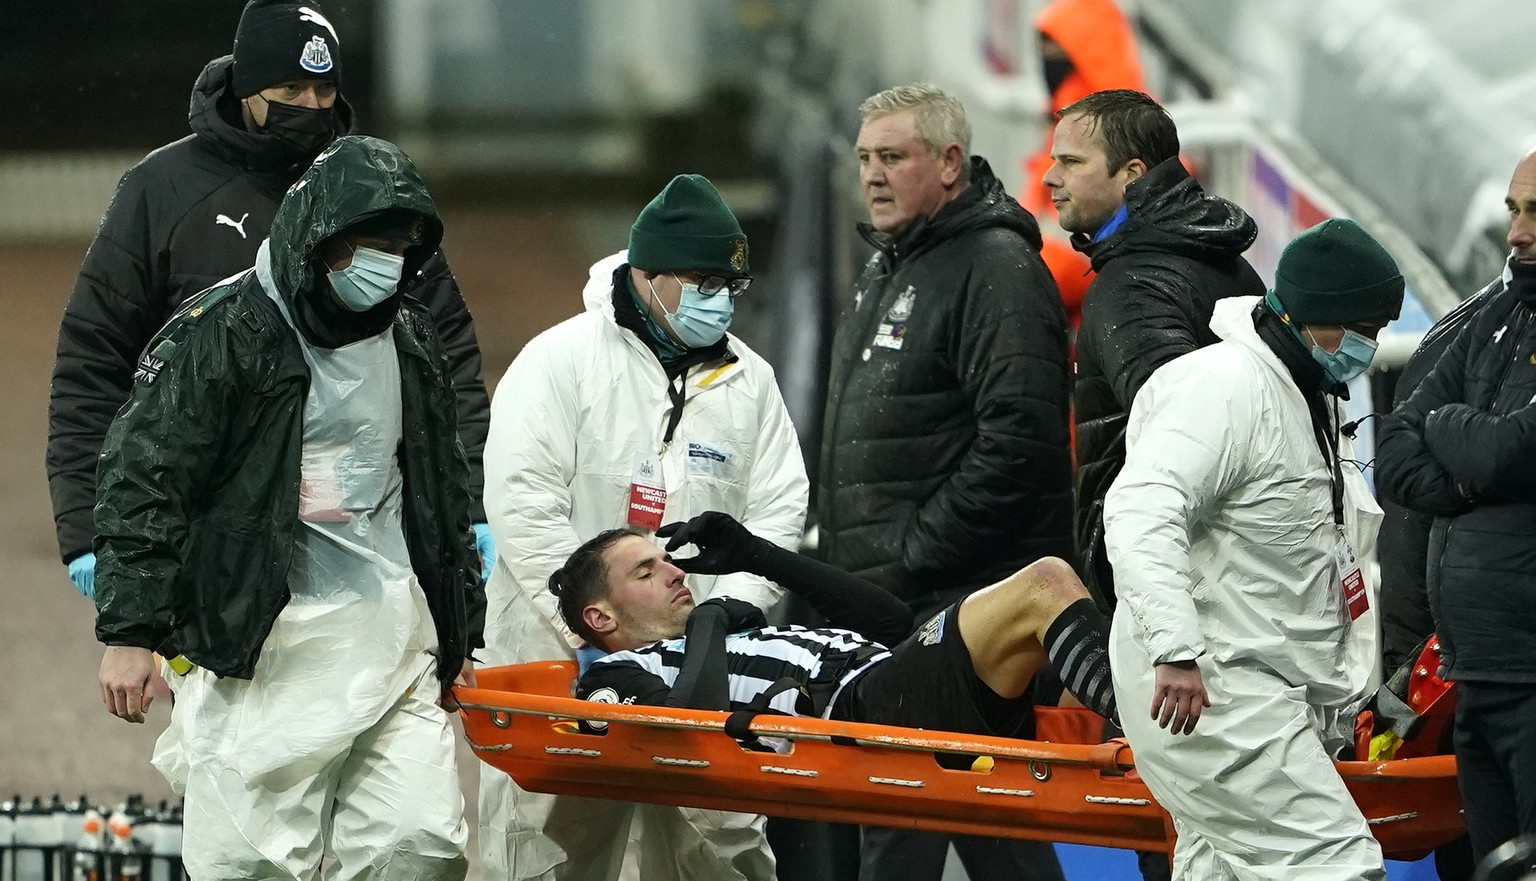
(1053,572)
(1034,594)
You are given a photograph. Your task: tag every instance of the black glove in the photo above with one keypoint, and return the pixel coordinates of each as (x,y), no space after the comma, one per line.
(739,614)
(703,680)
(725,546)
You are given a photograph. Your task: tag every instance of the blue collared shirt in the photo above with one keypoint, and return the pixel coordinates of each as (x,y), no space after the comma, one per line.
(1114,223)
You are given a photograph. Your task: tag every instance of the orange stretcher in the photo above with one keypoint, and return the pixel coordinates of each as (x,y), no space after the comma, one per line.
(522,720)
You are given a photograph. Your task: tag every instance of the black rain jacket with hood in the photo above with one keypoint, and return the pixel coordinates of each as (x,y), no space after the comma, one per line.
(1158,279)
(200,471)
(187,216)
(945,461)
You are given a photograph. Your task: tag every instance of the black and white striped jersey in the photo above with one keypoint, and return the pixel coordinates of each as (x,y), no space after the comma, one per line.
(821,660)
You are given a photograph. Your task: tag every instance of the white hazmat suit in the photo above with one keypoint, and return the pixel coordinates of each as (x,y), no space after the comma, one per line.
(1221,532)
(577,407)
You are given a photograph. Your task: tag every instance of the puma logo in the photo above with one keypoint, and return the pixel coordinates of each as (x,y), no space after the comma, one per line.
(223,219)
(307,13)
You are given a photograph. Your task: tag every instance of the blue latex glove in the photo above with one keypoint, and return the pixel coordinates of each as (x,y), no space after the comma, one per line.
(82,571)
(585,656)
(487,548)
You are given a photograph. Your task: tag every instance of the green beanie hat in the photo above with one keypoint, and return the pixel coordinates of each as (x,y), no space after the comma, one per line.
(688,227)
(1335,273)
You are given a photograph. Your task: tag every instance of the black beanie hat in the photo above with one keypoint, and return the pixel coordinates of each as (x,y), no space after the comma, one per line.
(279,41)
(688,226)
(1335,273)
(396,223)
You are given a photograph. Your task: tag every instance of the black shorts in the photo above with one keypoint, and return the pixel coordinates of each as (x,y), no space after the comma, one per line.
(929,682)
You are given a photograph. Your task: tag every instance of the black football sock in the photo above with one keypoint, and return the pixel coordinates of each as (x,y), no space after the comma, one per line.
(1078,645)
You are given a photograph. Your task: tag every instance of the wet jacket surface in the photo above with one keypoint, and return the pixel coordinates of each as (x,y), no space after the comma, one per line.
(187,216)
(200,472)
(1159,277)
(945,461)
(1461,449)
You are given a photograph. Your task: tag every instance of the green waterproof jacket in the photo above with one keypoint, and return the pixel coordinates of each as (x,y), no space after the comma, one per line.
(198,484)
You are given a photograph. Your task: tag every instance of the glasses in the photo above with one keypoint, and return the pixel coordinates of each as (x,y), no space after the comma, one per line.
(709,285)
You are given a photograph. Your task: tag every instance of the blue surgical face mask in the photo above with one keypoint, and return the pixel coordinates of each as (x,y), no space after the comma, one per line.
(1351,360)
(701,319)
(369,280)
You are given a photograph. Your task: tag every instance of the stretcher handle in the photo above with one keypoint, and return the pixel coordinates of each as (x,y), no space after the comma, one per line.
(1104,756)
(1417,768)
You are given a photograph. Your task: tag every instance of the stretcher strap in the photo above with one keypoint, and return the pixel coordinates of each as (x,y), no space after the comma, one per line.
(739,723)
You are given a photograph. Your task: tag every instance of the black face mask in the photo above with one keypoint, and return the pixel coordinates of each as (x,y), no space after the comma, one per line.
(303,131)
(1522,281)
(1056,72)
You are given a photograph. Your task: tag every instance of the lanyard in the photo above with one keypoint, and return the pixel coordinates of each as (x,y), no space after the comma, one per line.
(677,390)
(1329,445)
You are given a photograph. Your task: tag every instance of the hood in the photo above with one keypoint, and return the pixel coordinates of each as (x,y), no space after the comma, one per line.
(1097,37)
(1233,318)
(597,296)
(983,203)
(1171,213)
(355,178)
(214,115)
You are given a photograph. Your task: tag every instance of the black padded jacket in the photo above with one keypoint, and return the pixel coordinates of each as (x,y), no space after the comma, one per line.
(187,216)
(945,460)
(1158,279)
(1403,543)
(1460,449)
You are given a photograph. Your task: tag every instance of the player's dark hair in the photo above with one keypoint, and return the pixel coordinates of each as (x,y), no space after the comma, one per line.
(583,580)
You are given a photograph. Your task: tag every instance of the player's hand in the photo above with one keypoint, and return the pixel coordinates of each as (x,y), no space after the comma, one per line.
(126,678)
(725,546)
(1178,696)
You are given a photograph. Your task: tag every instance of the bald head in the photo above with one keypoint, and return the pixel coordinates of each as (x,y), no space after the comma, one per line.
(1521,202)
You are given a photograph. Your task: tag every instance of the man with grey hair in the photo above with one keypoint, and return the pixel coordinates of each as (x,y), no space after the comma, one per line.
(945,459)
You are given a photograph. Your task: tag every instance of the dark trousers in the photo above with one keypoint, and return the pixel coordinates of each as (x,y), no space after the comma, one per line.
(1496,761)
(807,850)
(905,855)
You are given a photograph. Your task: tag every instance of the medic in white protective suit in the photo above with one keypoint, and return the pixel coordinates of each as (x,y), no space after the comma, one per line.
(1237,531)
(641,408)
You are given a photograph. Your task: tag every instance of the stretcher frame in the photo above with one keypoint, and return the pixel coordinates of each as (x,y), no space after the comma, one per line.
(522,720)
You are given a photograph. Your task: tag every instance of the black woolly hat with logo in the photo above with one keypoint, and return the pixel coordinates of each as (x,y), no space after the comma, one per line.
(278,41)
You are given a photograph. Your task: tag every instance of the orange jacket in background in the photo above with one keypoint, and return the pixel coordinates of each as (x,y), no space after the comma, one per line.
(1097,37)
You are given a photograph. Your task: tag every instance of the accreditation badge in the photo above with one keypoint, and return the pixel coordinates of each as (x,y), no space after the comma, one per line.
(1351,580)
(647,493)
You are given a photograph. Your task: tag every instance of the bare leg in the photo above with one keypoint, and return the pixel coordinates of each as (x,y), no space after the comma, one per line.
(1004,625)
